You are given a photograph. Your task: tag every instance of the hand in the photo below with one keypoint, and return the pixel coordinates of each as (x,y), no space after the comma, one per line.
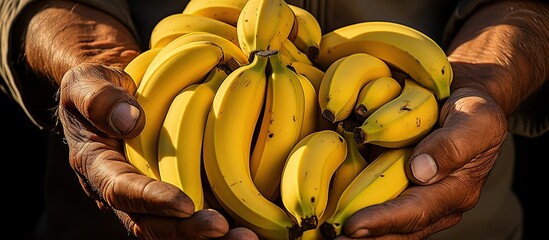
(498,58)
(97,111)
(449,168)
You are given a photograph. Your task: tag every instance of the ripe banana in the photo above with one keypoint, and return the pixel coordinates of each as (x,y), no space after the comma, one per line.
(226,11)
(312,73)
(403,121)
(400,46)
(180,139)
(264,25)
(343,80)
(175,25)
(166,77)
(311,112)
(233,56)
(280,128)
(136,67)
(353,164)
(374,95)
(306,175)
(309,33)
(290,53)
(228,140)
(382,180)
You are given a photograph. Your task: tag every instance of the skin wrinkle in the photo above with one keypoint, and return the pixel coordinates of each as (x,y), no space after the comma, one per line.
(86,40)
(511,52)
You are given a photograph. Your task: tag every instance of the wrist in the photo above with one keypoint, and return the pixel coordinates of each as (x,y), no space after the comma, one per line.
(502,50)
(63,34)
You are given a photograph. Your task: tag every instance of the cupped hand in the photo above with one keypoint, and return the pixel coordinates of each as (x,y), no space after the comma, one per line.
(448,169)
(97,111)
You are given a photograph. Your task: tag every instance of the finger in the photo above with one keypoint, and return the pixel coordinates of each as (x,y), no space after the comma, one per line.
(123,187)
(416,210)
(240,233)
(471,124)
(419,235)
(204,224)
(103,96)
(106,176)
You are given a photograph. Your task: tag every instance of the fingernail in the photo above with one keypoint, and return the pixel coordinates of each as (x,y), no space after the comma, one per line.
(423,167)
(124,117)
(360,233)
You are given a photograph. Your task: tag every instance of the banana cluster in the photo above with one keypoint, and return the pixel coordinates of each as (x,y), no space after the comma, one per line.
(290,130)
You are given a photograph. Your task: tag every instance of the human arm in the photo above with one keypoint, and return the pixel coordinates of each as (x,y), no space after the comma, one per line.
(499,58)
(82,51)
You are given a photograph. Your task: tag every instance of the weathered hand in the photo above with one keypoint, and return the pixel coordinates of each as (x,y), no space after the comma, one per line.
(97,111)
(449,168)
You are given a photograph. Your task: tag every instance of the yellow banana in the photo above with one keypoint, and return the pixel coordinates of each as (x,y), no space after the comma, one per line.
(374,95)
(180,68)
(309,33)
(264,25)
(290,53)
(280,128)
(343,80)
(311,112)
(353,164)
(226,11)
(403,121)
(382,180)
(228,140)
(312,234)
(312,73)
(175,25)
(233,56)
(312,109)
(306,175)
(180,139)
(137,67)
(400,46)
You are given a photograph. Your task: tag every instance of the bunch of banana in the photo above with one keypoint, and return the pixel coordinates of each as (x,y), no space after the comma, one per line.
(180,138)
(343,80)
(307,173)
(381,180)
(228,139)
(402,121)
(246,100)
(280,126)
(400,46)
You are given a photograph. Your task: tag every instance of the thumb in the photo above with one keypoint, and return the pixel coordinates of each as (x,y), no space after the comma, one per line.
(472,126)
(103,97)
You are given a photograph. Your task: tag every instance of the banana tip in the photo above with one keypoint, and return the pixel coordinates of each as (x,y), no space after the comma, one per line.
(327,231)
(328,115)
(360,135)
(309,223)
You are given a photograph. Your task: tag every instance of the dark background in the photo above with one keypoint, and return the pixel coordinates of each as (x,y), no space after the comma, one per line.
(24,151)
